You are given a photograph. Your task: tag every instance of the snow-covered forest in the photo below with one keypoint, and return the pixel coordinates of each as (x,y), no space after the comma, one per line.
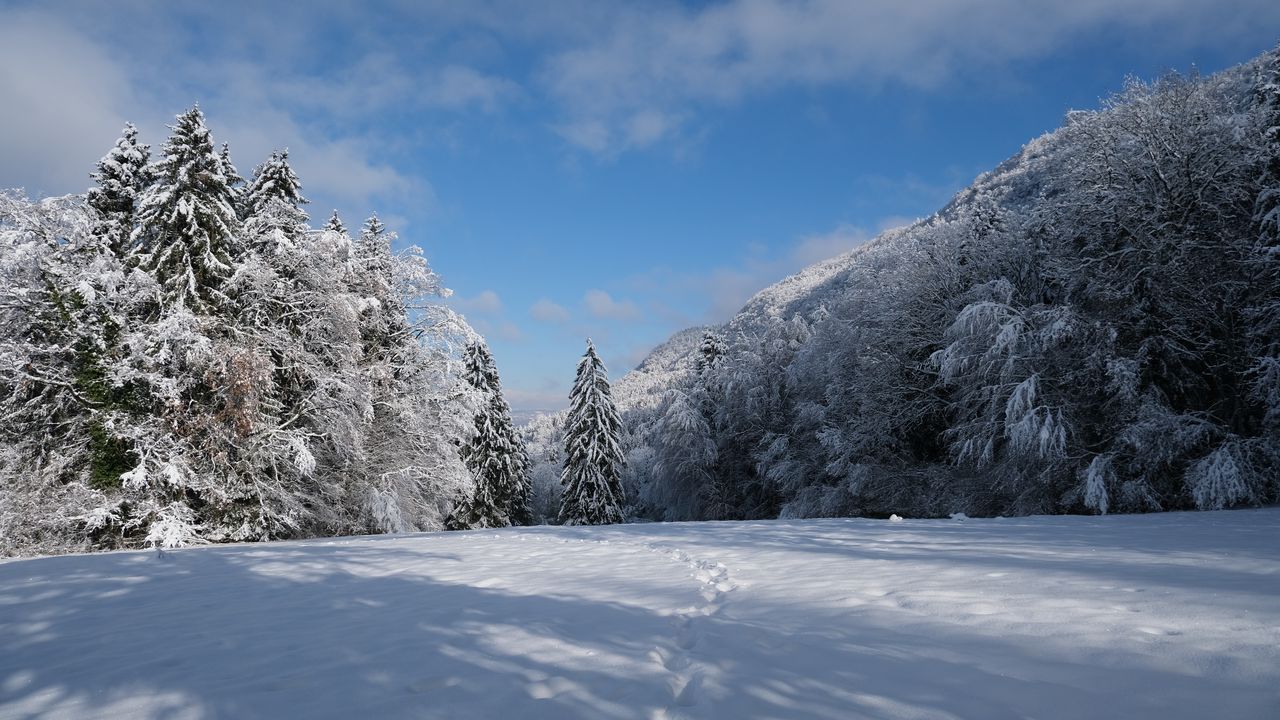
(1092,327)
(185,359)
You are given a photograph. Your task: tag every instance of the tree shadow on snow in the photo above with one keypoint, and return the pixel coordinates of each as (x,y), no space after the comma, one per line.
(303,630)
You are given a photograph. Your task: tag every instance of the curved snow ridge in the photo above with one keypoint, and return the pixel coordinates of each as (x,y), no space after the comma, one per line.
(680,657)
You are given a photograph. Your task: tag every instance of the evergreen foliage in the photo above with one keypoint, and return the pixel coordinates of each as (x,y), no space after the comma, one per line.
(334,224)
(121,178)
(593,459)
(186,233)
(274,181)
(494,454)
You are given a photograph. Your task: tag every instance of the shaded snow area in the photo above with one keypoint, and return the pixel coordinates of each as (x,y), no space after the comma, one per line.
(1157,616)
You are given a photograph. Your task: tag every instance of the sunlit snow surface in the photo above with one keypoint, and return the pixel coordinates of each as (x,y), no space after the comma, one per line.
(1158,616)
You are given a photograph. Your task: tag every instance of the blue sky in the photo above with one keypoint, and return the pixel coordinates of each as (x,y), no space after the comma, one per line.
(590,167)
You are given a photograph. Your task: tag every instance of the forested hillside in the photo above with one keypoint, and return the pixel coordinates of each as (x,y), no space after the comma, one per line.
(1093,326)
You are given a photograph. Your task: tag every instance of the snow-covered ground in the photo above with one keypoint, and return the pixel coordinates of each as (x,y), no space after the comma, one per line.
(1157,616)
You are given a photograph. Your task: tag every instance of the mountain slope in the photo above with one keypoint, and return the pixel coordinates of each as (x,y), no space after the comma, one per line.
(1088,327)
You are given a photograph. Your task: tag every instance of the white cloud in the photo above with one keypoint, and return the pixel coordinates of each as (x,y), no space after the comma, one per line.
(491,328)
(602,305)
(632,82)
(509,331)
(726,289)
(816,248)
(379,81)
(592,135)
(485,303)
(545,310)
(458,87)
(70,80)
(244,107)
(65,101)
(893,222)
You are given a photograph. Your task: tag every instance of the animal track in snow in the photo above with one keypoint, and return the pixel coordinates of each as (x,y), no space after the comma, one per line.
(715,583)
(687,674)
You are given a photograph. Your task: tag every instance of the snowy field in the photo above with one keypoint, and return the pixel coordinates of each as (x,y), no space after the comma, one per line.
(1156,616)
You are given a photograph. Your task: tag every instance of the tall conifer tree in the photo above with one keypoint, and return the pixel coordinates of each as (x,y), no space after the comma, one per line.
(274,180)
(495,454)
(334,224)
(272,211)
(121,178)
(186,231)
(592,493)
(234,180)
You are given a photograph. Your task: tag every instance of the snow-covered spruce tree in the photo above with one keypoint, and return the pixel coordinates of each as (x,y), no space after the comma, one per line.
(94,305)
(593,451)
(384,322)
(186,222)
(374,263)
(121,177)
(275,228)
(494,454)
(334,224)
(235,183)
(275,183)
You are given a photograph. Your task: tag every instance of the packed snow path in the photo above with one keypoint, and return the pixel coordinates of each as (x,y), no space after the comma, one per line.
(1158,616)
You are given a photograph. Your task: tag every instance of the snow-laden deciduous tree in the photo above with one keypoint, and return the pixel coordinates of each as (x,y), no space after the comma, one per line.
(46,487)
(686,457)
(1264,312)
(593,449)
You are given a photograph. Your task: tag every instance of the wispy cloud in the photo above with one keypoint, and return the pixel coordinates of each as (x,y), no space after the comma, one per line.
(546,311)
(65,101)
(379,81)
(486,302)
(633,83)
(601,304)
(74,77)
